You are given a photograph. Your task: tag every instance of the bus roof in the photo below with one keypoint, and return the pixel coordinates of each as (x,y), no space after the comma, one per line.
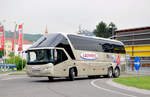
(53,39)
(93,37)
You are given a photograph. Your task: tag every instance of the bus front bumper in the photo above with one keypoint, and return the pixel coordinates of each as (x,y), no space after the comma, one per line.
(39,71)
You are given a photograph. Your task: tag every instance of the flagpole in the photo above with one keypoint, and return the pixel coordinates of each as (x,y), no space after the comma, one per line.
(22,51)
(15,40)
(4,52)
(20,42)
(14,49)
(4,46)
(22,47)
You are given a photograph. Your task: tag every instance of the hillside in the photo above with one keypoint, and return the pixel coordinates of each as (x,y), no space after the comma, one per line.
(29,37)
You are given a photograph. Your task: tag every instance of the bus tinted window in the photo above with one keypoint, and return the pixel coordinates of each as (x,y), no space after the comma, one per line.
(112,48)
(83,43)
(91,44)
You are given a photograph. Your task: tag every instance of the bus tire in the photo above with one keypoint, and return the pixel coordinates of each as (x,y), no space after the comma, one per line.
(94,76)
(50,78)
(116,72)
(90,77)
(71,74)
(110,72)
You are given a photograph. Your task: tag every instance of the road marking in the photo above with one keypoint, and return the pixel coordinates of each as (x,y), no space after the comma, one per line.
(12,78)
(93,84)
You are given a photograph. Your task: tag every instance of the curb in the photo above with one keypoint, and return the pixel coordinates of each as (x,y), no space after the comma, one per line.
(140,73)
(133,89)
(1,75)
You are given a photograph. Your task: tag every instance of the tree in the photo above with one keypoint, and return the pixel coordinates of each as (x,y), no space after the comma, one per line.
(102,30)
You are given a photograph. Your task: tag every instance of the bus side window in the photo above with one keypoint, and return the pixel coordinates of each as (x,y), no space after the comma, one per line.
(108,48)
(61,56)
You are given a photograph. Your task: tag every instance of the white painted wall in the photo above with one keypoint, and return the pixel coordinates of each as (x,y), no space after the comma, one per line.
(25,47)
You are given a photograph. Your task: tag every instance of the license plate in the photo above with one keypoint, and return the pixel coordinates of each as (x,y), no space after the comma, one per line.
(35,68)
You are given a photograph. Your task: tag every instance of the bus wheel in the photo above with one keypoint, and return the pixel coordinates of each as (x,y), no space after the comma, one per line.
(116,73)
(110,73)
(50,78)
(71,74)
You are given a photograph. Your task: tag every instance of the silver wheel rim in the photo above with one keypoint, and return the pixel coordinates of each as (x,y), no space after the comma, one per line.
(73,74)
(116,72)
(110,73)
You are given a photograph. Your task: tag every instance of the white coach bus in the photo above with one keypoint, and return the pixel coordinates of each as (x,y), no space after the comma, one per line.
(71,55)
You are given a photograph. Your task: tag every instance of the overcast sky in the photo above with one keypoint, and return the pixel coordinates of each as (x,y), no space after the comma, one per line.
(67,15)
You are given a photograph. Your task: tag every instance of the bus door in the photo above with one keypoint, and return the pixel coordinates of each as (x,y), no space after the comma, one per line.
(61,63)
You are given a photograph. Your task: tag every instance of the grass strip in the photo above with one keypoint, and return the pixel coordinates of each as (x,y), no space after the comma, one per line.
(143,82)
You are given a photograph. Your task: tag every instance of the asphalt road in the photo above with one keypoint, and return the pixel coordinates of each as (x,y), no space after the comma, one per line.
(23,86)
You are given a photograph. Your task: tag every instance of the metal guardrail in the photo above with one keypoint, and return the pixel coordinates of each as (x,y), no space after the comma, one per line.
(143,62)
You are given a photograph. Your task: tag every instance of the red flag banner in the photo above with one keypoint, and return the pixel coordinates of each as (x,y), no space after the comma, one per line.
(1,37)
(13,41)
(20,40)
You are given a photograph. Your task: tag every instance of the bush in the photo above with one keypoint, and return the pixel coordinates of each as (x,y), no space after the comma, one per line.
(18,62)
(11,54)
(2,53)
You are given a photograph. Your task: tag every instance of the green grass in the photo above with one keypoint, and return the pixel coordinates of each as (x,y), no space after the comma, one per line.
(143,82)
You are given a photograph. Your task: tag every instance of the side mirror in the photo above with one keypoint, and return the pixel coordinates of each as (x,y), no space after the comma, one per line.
(55,55)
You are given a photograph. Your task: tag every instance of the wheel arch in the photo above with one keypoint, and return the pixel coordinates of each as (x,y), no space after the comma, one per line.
(117,67)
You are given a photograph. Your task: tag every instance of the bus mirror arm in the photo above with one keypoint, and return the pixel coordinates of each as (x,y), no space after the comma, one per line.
(55,58)
(55,55)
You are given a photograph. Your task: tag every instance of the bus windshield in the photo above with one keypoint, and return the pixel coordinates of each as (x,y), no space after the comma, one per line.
(40,56)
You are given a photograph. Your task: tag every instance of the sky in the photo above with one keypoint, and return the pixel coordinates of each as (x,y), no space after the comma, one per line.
(67,15)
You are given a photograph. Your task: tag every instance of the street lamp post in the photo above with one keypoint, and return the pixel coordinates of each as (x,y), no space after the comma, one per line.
(113,29)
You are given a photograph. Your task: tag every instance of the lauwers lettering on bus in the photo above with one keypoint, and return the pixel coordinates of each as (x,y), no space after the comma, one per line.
(89,56)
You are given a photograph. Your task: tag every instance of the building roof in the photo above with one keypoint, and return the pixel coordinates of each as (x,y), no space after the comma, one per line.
(16,41)
(27,42)
(133,29)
